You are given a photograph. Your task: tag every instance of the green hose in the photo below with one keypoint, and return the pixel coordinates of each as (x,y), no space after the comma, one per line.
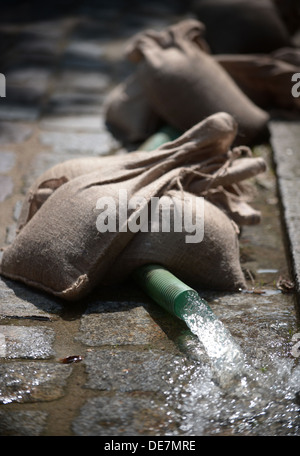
(185,303)
(167,290)
(165,134)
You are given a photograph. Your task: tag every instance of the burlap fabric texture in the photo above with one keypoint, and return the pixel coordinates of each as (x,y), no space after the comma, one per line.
(177,80)
(60,250)
(266,79)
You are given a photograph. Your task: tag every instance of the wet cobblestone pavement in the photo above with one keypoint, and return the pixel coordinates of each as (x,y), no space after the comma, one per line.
(137,370)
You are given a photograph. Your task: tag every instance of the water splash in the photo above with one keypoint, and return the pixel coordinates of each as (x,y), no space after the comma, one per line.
(225,354)
(234,395)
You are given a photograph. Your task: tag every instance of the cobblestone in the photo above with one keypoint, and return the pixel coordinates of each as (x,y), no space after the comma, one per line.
(104,416)
(142,371)
(132,370)
(26,342)
(286,144)
(32,381)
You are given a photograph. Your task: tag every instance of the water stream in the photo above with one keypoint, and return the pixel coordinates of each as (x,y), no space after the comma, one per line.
(225,355)
(232,394)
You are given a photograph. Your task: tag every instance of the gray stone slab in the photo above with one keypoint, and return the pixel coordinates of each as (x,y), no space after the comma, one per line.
(33,381)
(66,123)
(74,103)
(113,323)
(19,301)
(74,143)
(6,187)
(28,76)
(123,415)
(82,81)
(26,342)
(11,232)
(84,49)
(133,370)
(22,423)
(7,161)
(17,111)
(261,324)
(285,140)
(11,132)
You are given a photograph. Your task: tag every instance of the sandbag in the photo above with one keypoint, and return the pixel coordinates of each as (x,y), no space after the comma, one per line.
(128,114)
(60,249)
(242,26)
(211,264)
(264,78)
(184,84)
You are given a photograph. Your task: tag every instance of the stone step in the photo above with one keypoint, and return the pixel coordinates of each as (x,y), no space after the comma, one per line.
(285,142)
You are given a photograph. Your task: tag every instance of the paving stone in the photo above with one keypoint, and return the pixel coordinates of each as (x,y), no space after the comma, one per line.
(29,76)
(36,46)
(32,381)
(65,123)
(84,55)
(84,49)
(17,210)
(11,132)
(74,103)
(113,323)
(81,81)
(260,323)
(7,161)
(17,111)
(11,232)
(22,423)
(26,342)
(105,416)
(285,140)
(89,143)
(6,187)
(132,370)
(19,301)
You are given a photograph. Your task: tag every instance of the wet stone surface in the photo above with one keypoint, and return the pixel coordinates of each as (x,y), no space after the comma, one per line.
(140,370)
(119,323)
(26,342)
(6,187)
(13,132)
(132,370)
(105,416)
(27,423)
(286,144)
(20,302)
(32,381)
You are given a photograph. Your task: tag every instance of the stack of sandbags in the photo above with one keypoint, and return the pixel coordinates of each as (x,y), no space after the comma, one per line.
(266,78)
(61,249)
(177,80)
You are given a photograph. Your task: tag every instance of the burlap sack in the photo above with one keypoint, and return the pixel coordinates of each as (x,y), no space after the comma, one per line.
(212,264)
(266,80)
(60,250)
(184,84)
(242,26)
(128,114)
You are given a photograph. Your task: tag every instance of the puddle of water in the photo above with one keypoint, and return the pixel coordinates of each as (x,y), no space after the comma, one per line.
(224,353)
(254,397)
(261,396)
